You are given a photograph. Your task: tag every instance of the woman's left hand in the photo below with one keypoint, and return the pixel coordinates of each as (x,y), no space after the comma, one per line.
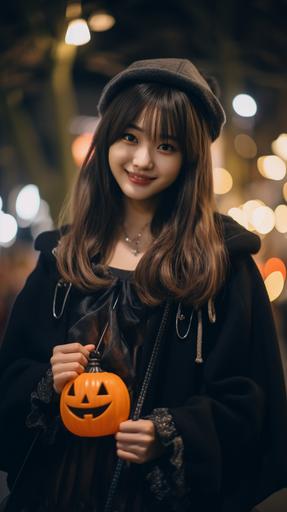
(138,442)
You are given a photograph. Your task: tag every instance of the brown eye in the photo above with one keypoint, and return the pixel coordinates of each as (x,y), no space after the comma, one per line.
(166,147)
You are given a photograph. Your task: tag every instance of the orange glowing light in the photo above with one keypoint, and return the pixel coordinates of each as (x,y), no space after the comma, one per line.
(260,268)
(80,147)
(274,265)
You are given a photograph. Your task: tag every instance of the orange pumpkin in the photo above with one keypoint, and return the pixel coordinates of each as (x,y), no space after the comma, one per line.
(95,403)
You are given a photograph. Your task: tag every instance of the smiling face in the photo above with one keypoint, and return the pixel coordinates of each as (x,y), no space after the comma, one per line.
(143,162)
(94,404)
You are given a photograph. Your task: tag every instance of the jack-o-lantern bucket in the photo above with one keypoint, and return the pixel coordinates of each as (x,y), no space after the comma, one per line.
(95,403)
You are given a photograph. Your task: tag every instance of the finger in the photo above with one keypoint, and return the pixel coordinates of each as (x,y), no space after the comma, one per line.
(129,457)
(73,347)
(129,426)
(60,382)
(60,368)
(74,357)
(145,426)
(133,438)
(132,448)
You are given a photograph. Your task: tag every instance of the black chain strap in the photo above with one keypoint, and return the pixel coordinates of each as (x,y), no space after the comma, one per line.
(139,404)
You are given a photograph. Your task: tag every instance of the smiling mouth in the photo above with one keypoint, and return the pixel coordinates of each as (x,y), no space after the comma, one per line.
(89,411)
(140,177)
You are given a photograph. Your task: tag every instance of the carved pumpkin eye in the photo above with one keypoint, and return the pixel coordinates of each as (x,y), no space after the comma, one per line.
(103,390)
(71,391)
(94,404)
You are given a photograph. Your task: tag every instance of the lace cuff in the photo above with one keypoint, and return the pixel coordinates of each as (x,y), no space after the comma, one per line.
(166,478)
(44,411)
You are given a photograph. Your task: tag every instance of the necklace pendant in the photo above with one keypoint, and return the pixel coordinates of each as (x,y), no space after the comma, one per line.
(135,252)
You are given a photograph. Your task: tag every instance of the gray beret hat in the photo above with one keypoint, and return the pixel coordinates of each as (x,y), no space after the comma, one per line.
(178,73)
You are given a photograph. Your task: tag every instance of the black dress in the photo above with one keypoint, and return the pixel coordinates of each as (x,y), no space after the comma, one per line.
(80,470)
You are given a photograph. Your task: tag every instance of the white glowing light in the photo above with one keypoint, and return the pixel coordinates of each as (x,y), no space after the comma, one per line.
(274,284)
(272,167)
(281,218)
(248,208)
(244,105)
(28,202)
(239,215)
(263,219)
(77,33)
(279,146)
(8,228)
(222,180)
(1,203)
(101,21)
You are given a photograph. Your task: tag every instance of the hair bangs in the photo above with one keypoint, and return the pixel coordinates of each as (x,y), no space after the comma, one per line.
(162,108)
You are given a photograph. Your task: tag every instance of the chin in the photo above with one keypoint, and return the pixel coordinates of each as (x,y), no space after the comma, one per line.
(138,195)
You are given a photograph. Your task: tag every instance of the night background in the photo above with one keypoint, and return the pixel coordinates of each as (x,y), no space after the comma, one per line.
(48,108)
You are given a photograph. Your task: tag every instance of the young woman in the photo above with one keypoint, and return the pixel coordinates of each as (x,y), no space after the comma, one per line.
(187,315)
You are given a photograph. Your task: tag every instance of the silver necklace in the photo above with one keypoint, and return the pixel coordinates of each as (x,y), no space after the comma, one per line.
(179,318)
(134,242)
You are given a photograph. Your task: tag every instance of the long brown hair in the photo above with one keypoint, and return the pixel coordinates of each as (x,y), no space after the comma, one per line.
(187,260)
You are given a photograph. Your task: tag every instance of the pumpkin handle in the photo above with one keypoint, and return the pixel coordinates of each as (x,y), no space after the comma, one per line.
(94,363)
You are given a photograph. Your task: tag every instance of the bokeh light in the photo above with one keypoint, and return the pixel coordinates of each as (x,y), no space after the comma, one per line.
(1,203)
(28,202)
(274,265)
(263,219)
(80,147)
(279,146)
(245,146)
(8,229)
(101,21)
(285,191)
(222,180)
(271,167)
(244,105)
(238,215)
(74,10)
(281,218)
(274,284)
(243,214)
(77,33)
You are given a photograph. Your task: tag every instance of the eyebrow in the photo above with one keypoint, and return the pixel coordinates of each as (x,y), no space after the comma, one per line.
(138,128)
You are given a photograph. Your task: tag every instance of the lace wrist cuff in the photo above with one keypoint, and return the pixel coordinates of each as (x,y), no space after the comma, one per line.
(44,411)
(167,478)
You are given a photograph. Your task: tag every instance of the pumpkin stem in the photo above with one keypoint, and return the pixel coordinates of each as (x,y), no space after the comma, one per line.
(94,364)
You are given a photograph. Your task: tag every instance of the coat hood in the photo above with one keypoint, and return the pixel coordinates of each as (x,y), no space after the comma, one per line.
(238,240)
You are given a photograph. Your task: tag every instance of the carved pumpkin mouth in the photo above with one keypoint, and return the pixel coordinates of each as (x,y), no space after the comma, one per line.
(89,411)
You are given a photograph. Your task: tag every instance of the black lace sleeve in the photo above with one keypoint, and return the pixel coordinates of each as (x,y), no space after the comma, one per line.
(44,411)
(166,475)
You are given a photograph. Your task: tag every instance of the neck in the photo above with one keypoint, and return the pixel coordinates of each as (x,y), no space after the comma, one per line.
(137,214)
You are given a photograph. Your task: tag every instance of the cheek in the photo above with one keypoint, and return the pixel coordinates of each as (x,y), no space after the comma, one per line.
(117,155)
(172,168)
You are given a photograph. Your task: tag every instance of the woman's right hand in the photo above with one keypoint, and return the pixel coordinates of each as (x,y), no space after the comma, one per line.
(68,361)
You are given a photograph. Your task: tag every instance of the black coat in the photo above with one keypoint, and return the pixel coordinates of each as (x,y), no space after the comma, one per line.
(229,411)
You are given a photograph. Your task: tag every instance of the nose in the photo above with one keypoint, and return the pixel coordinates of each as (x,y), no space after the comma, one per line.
(143,158)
